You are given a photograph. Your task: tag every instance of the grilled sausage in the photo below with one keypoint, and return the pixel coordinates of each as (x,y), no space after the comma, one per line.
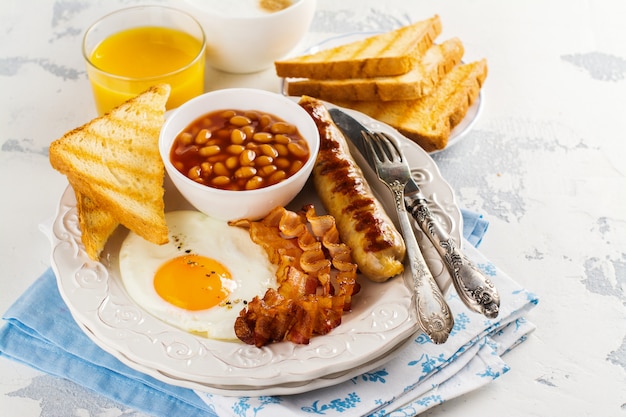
(377,247)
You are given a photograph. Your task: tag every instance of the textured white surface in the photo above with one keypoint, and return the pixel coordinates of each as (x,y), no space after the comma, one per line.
(545,164)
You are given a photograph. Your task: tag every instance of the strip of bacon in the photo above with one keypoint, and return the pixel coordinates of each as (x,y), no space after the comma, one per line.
(316,278)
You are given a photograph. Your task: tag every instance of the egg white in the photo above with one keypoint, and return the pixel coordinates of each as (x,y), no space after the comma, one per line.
(252,272)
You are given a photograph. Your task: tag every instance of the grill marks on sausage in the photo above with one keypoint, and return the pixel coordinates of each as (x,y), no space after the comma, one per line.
(333,163)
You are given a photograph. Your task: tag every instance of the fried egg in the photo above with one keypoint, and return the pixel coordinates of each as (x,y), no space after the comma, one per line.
(201,279)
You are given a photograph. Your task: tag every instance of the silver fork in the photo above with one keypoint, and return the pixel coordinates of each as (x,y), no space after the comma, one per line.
(433,313)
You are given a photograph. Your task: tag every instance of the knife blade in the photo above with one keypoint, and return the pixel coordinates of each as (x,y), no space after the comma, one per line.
(476,290)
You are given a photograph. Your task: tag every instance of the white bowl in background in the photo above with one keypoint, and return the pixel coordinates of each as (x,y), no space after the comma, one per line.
(243,39)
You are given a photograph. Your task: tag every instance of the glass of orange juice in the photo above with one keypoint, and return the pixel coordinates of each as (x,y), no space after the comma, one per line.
(132,49)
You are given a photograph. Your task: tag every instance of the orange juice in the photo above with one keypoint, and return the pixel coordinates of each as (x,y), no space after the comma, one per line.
(128,62)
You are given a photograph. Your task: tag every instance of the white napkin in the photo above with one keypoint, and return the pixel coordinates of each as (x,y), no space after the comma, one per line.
(423,374)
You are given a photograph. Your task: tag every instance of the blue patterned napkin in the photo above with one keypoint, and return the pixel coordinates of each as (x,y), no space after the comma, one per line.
(40,332)
(422,374)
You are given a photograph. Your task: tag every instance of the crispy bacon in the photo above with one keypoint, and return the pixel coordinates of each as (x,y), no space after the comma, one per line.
(316,278)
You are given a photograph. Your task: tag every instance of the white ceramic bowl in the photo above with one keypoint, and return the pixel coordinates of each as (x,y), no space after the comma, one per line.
(232,205)
(242,39)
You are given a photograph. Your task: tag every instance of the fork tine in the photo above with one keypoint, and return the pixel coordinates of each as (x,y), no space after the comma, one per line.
(373,147)
(390,146)
(385,146)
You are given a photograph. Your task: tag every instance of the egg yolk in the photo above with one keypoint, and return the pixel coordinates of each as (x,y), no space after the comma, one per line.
(192,282)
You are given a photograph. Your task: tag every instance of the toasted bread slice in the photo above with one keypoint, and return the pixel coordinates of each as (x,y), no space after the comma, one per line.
(429,120)
(419,81)
(96,225)
(114,160)
(390,53)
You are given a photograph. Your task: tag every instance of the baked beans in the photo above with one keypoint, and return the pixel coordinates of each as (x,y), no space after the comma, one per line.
(239,150)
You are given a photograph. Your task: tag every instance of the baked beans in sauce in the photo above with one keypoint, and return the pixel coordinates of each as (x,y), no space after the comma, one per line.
(239,150)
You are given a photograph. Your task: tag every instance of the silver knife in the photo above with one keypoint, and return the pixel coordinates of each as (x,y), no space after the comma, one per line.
(476,290)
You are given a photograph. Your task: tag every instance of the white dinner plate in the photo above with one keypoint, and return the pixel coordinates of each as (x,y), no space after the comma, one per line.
(456,134)
(381,319)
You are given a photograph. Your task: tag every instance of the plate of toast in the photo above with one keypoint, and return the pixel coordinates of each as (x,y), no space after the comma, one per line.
(402,78)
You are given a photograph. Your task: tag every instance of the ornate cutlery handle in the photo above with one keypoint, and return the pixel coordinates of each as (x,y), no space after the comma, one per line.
(433,313)
(474,288)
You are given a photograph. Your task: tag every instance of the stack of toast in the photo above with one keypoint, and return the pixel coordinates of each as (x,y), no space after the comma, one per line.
(114,166)
(402,78)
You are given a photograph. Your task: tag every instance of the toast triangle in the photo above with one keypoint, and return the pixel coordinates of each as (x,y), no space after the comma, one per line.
(96,225)
(429,120)
(436,62)
(114,161)
(386,54)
